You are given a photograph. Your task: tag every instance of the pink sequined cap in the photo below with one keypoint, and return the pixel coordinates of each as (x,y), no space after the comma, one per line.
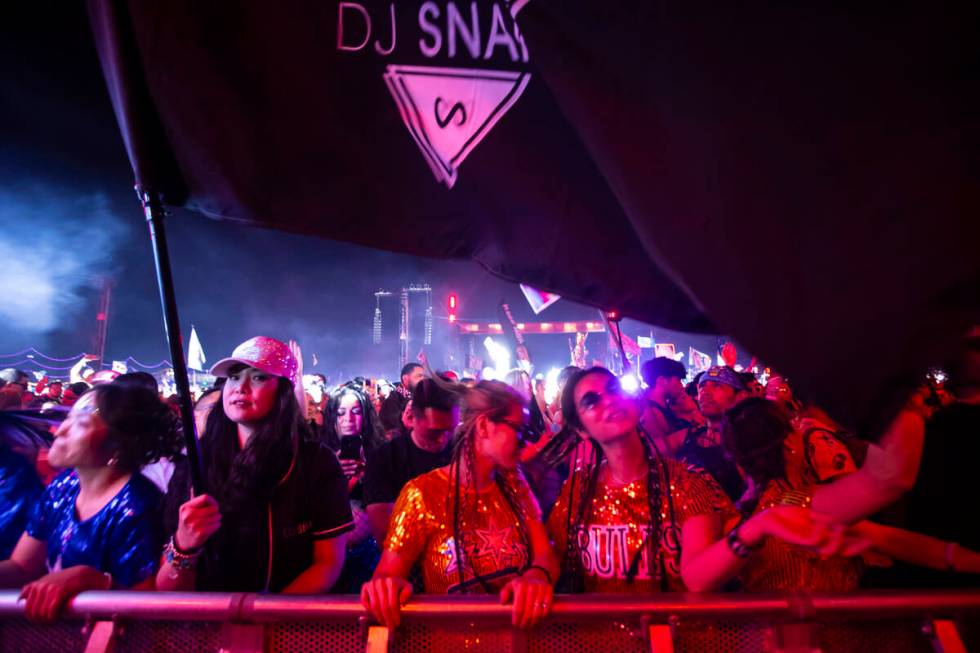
(267,354)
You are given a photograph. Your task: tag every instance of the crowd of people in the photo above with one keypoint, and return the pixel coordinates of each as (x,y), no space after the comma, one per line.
(452,485)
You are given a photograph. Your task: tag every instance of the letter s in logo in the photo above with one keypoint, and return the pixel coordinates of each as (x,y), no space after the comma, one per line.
(444,120)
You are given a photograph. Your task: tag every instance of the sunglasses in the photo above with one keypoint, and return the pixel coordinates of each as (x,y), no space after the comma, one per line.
(592,399)
(522,430)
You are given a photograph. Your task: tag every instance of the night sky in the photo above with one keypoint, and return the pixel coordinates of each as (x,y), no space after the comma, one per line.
(69,218)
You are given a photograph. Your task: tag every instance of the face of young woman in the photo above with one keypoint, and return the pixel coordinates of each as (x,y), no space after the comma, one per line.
(500,439)
(249,395)
(79,440)
(350,415)
(605,411)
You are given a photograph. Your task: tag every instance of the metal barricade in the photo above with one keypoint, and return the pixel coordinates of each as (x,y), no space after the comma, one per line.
(140,622)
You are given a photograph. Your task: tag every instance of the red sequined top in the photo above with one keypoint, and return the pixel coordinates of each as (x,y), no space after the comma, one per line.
(615,527)
(781,567)
(422,529)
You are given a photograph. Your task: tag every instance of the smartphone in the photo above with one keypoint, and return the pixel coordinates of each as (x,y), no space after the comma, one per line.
(350,447)
(935,382)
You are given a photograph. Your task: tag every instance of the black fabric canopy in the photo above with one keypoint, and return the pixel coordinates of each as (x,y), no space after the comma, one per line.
(801,177)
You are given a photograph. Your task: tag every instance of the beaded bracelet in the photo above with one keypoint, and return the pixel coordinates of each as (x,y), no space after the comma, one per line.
(179,560)
(737,545)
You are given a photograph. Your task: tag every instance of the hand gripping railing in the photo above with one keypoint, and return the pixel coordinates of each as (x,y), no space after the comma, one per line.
(141,621)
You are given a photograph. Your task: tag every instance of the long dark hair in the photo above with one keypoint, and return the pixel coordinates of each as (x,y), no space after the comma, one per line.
(242,478)
(564,445)
(141,428)
(494,400)
(754,431)
(371,433)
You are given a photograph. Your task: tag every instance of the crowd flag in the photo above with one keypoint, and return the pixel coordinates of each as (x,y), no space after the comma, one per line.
(594,225)
(538,299)
(698,360)
(664,349)
(195,353)
(522,357)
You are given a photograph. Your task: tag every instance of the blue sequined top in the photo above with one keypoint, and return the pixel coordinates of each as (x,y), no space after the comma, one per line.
(125,538)
(20,488)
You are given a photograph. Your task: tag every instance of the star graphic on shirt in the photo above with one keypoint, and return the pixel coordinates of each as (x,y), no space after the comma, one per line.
(496,543)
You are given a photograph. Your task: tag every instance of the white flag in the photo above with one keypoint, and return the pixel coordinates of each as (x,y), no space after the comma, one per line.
(698,360)
(538,299)
(195,353)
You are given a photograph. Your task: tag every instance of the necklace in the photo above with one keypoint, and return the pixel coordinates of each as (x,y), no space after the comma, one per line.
(619,481)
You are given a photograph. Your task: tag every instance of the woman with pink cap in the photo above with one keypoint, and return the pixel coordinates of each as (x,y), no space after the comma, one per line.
(277,498)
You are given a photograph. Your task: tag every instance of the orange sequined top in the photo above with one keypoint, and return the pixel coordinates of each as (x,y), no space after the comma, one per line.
(615,528)
(781,567)
(421,529)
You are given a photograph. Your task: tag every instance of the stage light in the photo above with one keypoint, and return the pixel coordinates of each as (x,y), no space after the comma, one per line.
(500,356)
(452,302)
(551,384)
(629,383)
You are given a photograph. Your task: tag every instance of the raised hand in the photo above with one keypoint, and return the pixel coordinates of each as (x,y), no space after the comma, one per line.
(297,352)
(198,520)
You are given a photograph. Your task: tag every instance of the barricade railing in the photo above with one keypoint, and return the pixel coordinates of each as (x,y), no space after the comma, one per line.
(866,622)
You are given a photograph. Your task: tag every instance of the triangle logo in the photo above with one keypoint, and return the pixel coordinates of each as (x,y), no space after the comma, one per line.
(448,111)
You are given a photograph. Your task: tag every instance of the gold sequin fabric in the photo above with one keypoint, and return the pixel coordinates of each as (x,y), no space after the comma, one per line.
(781,567)
(617,522)
(421,529)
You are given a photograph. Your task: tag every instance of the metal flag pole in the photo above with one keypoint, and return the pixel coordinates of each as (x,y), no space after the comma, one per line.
(622,352)
(612,318)
(155,214)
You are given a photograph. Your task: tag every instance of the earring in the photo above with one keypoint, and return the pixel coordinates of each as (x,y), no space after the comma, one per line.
(112,462)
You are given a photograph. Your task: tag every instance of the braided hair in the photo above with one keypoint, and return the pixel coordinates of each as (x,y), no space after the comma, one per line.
(566,445)
(494,400)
